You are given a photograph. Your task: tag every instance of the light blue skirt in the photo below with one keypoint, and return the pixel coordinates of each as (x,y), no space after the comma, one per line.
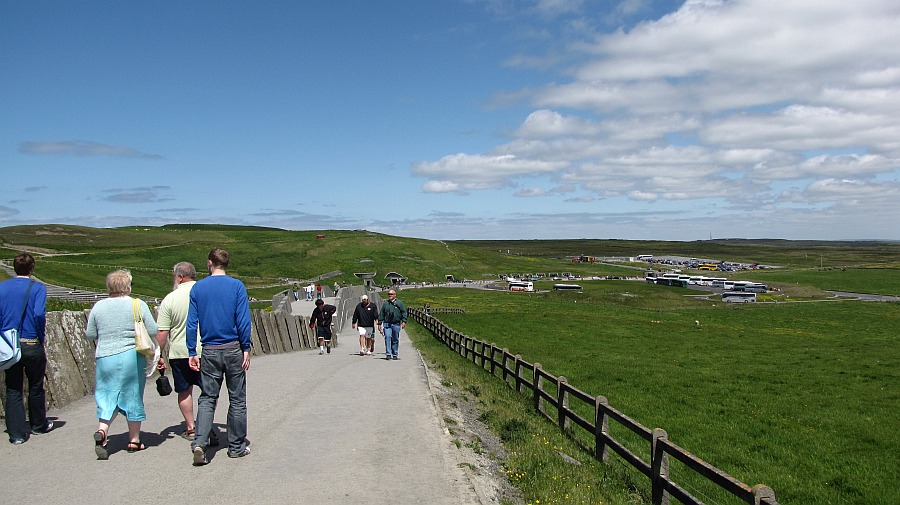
(120,384)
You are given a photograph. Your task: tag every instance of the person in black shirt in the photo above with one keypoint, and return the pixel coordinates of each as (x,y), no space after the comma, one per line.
(321,321)
(365,317)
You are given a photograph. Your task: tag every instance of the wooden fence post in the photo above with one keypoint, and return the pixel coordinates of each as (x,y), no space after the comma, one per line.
(493,357)
(518,373)
(504,366)
(763,495)
(538,383)
(601,429)
(562,401)
(659,468)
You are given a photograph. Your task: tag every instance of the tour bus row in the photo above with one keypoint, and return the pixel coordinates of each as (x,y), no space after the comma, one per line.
(683,280)
(514,285)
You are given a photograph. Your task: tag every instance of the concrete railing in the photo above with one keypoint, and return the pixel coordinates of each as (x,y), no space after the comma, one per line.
(70,355)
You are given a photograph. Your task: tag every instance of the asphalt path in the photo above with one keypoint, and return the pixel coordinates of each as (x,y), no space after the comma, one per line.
(333,428)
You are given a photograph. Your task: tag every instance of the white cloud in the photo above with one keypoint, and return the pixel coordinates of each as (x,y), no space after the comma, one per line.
(7,212)
(138,195)
(805,128)
(82,148)
(558,7)
(850,165)
(852,192)
(530,192)
(462,172)
(546,123)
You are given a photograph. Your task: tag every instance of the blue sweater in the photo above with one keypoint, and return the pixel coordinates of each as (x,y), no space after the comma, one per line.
(220,308)
(12,294)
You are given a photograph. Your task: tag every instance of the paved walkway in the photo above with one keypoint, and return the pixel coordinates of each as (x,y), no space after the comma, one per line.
(338,428)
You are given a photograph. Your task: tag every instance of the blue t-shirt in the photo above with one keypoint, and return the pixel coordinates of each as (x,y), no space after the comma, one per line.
(12,294)
(219,307)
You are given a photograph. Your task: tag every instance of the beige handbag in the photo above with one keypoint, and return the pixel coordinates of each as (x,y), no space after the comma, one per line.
(142,341)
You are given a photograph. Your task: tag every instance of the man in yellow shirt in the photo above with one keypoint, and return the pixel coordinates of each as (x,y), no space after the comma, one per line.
(172,320)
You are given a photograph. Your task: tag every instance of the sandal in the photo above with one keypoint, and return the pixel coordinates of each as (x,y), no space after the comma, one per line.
(187,434)
(100,445)
(135,447)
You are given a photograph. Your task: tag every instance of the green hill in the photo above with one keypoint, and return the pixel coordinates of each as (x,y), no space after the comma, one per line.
(267,258)
(262,257)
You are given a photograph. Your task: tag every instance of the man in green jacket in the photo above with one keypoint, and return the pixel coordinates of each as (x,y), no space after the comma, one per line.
(391,319)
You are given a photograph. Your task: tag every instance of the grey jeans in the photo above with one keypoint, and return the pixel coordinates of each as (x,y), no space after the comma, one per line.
(216,365)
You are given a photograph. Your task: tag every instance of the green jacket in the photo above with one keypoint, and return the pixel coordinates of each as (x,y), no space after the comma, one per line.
(392,312)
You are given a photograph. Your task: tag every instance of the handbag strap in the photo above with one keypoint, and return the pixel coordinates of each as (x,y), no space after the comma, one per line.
(25,306)
(136,310)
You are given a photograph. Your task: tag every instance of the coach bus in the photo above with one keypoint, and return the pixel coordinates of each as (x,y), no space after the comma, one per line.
(738,297)
(755,287)
(521,286)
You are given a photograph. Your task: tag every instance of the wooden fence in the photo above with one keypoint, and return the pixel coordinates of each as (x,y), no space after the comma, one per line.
(552,397)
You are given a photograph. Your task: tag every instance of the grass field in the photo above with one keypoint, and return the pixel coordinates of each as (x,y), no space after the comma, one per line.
(802,397)
(881,280)
(533,446)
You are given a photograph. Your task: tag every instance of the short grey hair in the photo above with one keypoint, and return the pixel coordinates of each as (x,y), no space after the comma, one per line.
(184,269)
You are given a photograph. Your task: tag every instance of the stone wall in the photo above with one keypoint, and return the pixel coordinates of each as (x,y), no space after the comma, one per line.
(70,355)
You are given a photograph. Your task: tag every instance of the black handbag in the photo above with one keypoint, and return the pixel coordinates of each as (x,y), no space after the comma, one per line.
(162,384)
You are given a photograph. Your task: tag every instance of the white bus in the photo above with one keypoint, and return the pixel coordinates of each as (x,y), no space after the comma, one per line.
(561,287)
(717,282)
(738,297)
(521,286)
(756,287)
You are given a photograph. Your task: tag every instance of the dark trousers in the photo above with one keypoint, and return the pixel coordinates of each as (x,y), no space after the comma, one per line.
(215,366)
(33,364)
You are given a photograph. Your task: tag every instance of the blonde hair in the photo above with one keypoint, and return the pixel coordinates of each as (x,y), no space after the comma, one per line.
(118,282)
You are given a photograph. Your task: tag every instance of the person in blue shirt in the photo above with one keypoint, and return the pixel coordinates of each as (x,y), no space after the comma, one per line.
(33,362)
(220,308)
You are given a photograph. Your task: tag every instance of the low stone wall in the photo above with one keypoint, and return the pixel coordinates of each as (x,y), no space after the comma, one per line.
(70,355)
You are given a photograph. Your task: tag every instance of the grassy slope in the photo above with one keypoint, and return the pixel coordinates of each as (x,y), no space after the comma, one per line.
(260,256)
(802,397)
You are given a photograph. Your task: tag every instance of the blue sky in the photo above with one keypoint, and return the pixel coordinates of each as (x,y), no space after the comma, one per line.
(457,119)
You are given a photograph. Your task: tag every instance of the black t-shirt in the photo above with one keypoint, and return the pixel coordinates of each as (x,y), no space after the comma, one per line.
(321,316)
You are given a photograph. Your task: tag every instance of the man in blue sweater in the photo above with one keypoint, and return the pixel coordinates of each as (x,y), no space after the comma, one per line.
(220,308)
(23,302)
